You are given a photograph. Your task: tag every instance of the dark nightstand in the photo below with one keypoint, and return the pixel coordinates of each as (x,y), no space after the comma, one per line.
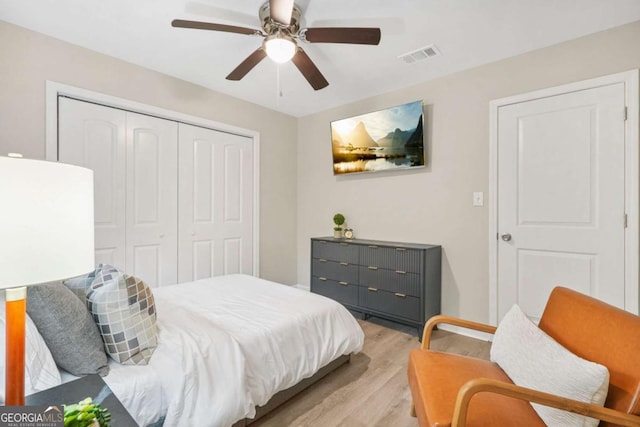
(75,391)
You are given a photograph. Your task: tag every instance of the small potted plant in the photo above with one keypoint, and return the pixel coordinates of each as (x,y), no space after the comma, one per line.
(86,414)
(338,220)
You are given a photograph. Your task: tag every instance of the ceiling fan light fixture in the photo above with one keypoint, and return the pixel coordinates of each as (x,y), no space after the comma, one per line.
(280,48)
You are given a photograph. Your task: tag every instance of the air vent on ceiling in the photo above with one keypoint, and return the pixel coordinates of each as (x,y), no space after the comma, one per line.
(421,54)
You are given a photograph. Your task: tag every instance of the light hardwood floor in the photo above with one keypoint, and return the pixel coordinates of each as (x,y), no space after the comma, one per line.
(372,390)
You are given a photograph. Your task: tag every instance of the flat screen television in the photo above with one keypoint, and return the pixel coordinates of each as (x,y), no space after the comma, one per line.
(388,139)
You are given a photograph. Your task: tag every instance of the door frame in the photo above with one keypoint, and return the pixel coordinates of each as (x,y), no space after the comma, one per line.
(55,89)
(630,79)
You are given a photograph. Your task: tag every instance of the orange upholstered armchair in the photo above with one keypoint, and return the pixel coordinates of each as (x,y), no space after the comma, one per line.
(454,390)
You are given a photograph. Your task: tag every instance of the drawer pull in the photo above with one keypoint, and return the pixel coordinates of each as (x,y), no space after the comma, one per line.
(344,283)
(400,249)
(344,244)
(344,263)
(324,279)
(401,272)
(322,260)
(373,289)
(398,294)
(373,246)
(322,241)
(372,267)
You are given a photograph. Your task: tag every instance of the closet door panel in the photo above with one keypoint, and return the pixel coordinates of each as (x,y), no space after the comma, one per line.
(203,259)
(232,255)
(152,213)
(93,136)
(146,147)
(237,226)
(146,263)
(215,202)
(233,170)
(203,159)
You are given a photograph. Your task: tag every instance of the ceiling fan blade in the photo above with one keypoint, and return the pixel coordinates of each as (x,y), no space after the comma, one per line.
(219,13)
(247,65)
(309,70)
(343,35)
(281,10)
(214,27)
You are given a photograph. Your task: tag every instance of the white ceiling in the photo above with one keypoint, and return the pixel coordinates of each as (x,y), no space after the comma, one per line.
(467,32)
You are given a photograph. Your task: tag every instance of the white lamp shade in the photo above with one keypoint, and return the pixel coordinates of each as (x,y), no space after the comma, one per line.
(46,221)
(280,50)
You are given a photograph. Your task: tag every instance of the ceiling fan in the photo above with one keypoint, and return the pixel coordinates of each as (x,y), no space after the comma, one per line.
(280,20)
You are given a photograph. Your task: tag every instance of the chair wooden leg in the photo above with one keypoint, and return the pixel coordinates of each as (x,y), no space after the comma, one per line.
(413,410)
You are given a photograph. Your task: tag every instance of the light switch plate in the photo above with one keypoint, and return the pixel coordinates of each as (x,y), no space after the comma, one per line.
(478,198)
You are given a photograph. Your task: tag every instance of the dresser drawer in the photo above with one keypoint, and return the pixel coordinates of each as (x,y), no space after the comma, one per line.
(390,280)
(391,258)
(407,307)
(341,292)
(339,271)
(334,251)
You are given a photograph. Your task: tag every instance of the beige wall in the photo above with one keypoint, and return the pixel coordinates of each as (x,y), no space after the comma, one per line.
(434,205)
(29,59)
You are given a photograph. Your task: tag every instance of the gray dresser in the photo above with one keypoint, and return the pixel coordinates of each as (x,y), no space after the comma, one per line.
(392,280)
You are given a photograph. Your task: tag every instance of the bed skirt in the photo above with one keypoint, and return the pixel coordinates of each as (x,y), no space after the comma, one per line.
(284,395)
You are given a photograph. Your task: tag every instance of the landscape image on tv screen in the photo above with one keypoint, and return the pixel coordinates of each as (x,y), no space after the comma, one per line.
(388,139)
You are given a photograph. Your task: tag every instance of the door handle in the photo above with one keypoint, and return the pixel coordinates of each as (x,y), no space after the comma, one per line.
(506,237)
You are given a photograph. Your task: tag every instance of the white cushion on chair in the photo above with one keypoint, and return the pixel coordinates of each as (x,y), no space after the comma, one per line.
(533,359)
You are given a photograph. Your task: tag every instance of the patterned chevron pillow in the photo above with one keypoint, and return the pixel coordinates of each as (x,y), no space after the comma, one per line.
(124,311)
(80,285)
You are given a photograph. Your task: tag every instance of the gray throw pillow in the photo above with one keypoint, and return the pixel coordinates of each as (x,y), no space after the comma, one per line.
(67,328)
(124,310)
(80,285)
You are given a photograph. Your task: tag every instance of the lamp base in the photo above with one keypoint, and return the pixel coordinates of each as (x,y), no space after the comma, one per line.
(16,305)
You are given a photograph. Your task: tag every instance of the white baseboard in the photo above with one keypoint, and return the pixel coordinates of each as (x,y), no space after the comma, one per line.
(303,287)
(466,332)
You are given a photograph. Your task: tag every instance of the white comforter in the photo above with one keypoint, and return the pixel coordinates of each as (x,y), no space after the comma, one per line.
(228,344)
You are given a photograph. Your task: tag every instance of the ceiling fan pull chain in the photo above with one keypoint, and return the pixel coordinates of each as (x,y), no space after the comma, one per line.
(279,92)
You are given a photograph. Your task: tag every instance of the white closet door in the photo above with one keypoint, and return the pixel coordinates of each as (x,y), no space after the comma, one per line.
(152,214)
(216,203)
(93,136)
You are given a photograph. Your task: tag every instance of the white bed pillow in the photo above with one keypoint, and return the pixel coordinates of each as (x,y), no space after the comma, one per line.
(533,359)
(41,372)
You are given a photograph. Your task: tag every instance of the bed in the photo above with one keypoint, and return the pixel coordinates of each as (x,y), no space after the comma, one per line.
(227,345)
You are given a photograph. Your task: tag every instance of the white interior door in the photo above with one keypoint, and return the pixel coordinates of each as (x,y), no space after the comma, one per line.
(561,198)
(215,203)
(152,194)
(93,136)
